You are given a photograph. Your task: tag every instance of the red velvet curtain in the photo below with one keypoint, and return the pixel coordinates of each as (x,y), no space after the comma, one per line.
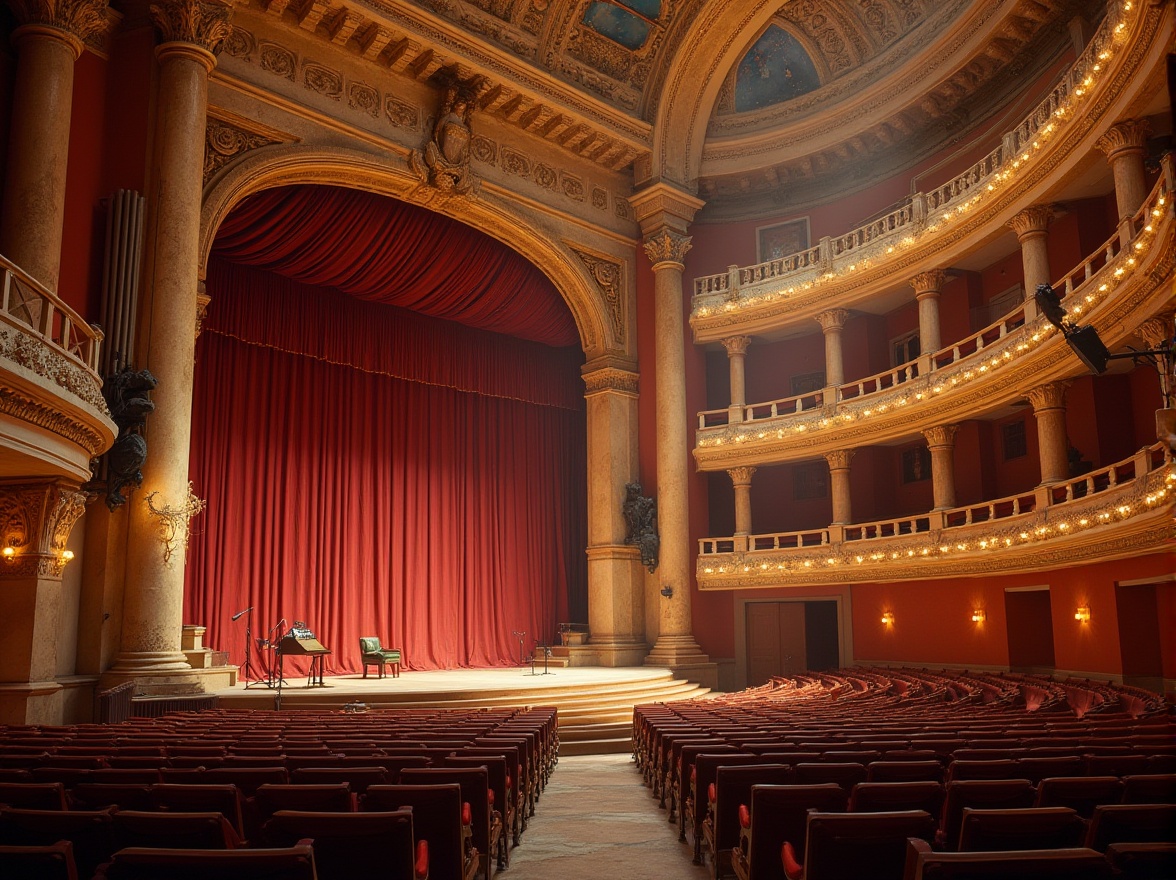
(372,471)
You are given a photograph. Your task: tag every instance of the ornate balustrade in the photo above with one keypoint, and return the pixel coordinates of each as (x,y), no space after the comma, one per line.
(1119,510)
(989,368)
(823,275)
(51,404)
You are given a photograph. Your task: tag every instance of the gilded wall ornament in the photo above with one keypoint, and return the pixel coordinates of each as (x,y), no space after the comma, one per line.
(484,149)
(445,161)
(610,379)
(175,522)
(515,162)
(35,521)
(240,44)
(323,80)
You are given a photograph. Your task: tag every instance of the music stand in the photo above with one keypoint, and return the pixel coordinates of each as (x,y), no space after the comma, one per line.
(546,657)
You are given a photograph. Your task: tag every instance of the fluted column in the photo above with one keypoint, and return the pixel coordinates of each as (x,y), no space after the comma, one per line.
(839,485)
(1049,408)
(616,601)
(1125,145)
(192,31)
(741,480)
(941,444)
(927,286)
(35,522)
(1032,228)
(736,353)
(48,41)
(832,323)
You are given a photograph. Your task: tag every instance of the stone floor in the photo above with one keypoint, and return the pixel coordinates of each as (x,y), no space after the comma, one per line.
(597,820)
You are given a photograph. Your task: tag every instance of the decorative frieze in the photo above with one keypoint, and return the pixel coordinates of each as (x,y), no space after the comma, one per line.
(323,80)
(610,379)
(40,359)
(402,114)
(278,60)
(203,23)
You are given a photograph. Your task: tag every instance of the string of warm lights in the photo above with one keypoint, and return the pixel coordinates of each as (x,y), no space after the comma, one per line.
(1123,501)
(1066,106)
(1009,353)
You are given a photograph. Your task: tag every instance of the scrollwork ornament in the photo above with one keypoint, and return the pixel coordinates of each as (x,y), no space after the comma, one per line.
(175,522)
(204,23)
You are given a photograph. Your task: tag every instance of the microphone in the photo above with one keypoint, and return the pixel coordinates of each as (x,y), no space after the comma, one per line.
(239,613)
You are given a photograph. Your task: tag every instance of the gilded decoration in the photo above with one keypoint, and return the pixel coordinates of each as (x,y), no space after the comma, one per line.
(20,406)
(839,459)
(930,282)
(203,23)
(224,142)
(832,320)
(84,19)
(609,277)
(38,358)
(445,161)
(174,522)
(35,521)
(610,379)
(667,247)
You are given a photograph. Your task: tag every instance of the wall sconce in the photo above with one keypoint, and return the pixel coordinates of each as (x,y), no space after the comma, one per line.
(9,554)
(887,618)
(667,591)
(978,616)
(1082,614)
(67,555)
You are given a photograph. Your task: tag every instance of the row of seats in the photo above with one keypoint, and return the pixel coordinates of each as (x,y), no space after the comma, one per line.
(965,763)
(385,794)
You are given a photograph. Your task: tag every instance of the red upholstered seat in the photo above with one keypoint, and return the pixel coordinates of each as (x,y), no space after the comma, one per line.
(1079,793)
(778,813)
(731,793)
(52,862)
(350,845)
(980,793)
(90,832)
(1143,861)
(879,797)
(1147,788)
(33,795)
(440,817)
(864,846)
(139,863)
(1131,823)
(845,774)
(1026,828)
(359,778)
(475,791)
(929,770)
(187,830)
(1047,864)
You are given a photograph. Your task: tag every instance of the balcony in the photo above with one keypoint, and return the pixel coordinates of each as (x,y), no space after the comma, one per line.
(1117,511)
(53,418)
(1115,288)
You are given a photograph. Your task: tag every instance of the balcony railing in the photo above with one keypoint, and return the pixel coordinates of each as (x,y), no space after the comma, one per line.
(1115,493)
(898,229)
(1082,288)
(30,308)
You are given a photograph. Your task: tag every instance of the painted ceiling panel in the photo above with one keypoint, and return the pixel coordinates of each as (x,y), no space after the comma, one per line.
(776,68)
(619,24)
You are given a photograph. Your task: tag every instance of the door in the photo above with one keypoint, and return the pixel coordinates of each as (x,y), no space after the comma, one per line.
(786,638)
(1029,619)
(1139,636)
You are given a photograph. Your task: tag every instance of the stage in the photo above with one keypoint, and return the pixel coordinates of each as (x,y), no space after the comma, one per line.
(595,703)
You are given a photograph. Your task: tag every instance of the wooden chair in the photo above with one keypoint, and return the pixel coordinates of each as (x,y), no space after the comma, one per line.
(1026,828)
(373,654)
(864,846)
(1042,864)
(438,816)
(350,845)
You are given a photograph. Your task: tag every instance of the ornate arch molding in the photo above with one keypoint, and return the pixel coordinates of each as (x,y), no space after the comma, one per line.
(714,44)
(284,165)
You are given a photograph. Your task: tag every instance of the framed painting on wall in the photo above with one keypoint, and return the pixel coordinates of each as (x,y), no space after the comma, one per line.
(781,239)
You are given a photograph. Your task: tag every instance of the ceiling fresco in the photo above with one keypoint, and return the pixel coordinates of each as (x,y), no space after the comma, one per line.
(776,68)
(627,22)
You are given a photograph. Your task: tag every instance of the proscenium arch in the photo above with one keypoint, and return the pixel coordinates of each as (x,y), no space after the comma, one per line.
(714,44)
(285,165)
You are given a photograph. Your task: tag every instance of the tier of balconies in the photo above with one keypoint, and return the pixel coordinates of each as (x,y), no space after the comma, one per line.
(53,418)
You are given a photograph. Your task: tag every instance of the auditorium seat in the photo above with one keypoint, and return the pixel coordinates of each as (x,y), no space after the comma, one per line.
(359,778)
(1143,861)
(33,795)
(883,797)
(847,775)
(1044,864)
(731,788)
(993,794)
(186,830)
(51,862)
(501,797)
(96,795)
(1146,788)
(683,754)
(90,831)
(695,805)
(1131,823)
(964,768)
(863,846)
(904,771)
(354,845)
(1024,828)
(438,816)
(140,863)
(224,798)
(1037,769)
(475,791)
(1080,793)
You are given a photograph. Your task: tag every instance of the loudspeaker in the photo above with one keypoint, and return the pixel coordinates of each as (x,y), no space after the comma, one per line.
(1089,348)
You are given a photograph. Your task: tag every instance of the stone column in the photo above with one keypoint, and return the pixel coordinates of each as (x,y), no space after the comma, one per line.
(616,600)
(48,41)
(839,485)
(941,443)
(1125,145)
(736,353)
(664,213)
(1032,228)
(192,32)
(741,480)
(1049,408)
(927,286)
(35,522)
(831,323)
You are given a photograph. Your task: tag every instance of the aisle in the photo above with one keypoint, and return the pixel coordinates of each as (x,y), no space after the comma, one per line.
(595,819)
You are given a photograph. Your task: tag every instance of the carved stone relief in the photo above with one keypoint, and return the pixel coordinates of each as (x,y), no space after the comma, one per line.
(599,198)
(278,60)
(515,162)
(401,114)
(484,149)
(223,142)
(36,520)
(546,176)
(323,80)
(363,98)
(610,279)
(240,43)
(573,187)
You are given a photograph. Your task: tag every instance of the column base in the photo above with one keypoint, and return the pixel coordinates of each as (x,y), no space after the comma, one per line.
(616,653)
(157,683)
(682,656)
(31,702)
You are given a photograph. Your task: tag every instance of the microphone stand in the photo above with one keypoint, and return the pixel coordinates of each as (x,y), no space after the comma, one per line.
(248,673)
(520,636)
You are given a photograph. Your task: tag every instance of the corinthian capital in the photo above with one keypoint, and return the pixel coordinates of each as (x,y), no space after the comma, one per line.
(203,23)
(1034,219)
(930,282)
(839,459)
(1130,134)
(741,476)
(1049,396)
(941,435)
(832,320)
(1156,331)
(667,247)
(80,18)
(736,345)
